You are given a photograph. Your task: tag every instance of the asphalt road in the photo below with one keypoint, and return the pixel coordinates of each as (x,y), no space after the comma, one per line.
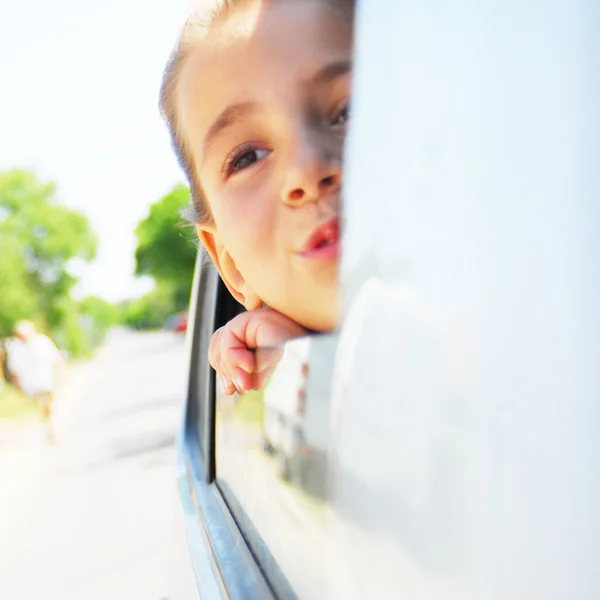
(92,517)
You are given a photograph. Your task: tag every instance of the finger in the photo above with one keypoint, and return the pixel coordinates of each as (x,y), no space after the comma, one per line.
(259,380)
(227,385)
(267,358)
(241,358)
(235,351)
(226,352)
(214,350)
(242,380)
(227,356)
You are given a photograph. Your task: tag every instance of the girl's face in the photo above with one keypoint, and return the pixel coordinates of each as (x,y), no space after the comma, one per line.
(263,104)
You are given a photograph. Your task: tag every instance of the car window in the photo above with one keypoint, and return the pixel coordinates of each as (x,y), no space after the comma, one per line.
(272,452)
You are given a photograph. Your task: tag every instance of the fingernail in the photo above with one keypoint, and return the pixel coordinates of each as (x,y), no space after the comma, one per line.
(239,385)
(223,382)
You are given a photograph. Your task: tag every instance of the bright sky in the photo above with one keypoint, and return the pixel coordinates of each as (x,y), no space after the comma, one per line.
(78,104)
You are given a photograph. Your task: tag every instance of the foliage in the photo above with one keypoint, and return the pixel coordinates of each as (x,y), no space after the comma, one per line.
(99,316)
(167,248)
(166,251)
(38,238)
(14,404)
(152,310)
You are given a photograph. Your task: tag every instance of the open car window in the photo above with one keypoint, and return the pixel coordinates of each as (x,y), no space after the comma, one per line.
(272,453)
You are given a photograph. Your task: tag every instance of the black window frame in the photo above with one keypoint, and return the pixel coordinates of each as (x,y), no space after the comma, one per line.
(226,308)
(224,565)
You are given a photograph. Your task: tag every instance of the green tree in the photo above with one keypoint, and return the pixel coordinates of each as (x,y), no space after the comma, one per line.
(99,316)
(38,238)
(150,311)
(103,313)
(167,248)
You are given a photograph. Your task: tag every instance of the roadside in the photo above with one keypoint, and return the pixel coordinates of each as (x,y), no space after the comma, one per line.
(93,514)
(26,458)
(14,406)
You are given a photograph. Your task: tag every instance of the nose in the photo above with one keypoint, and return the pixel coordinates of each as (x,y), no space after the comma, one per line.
(313,169)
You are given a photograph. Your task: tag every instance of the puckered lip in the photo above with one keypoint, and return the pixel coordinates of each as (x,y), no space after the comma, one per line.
(323,242)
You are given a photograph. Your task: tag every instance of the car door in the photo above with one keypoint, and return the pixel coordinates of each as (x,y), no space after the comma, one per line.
(454,413)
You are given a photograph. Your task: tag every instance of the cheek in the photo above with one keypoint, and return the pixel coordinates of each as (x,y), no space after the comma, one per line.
(246,222)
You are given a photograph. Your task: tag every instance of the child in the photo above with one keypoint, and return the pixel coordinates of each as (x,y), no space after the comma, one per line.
(256,99)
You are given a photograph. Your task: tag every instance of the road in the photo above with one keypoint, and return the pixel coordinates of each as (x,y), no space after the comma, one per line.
(92,517)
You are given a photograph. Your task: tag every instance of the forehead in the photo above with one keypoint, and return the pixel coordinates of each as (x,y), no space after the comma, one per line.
(263,49)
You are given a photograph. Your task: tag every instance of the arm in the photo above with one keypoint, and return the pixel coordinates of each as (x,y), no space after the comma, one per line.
(233,348)
(13,364)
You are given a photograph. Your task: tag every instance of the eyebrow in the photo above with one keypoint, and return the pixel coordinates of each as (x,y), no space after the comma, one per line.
(331,71)
(236,112)
(231,115)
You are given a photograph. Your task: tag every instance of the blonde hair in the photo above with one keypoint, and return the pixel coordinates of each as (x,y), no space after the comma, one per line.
(200,18)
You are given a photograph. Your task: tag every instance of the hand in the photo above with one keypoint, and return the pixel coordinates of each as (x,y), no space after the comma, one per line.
(246,350)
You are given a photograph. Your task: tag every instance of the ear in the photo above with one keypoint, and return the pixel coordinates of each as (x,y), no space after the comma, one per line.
(229,273)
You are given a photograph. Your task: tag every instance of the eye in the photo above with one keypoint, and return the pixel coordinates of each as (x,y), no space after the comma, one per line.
(342,115)
(243,158)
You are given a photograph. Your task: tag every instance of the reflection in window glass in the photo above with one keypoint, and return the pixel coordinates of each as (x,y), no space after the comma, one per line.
(338,508)
(272,449)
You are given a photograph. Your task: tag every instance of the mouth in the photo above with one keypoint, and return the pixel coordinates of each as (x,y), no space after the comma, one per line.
(323,243)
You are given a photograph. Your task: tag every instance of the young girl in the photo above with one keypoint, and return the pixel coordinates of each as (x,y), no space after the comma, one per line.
(256,98)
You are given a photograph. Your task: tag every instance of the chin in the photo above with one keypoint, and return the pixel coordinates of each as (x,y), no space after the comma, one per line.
(314,307)
(324,322)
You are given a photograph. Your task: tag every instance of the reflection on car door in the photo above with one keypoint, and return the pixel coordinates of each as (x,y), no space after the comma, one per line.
(443,443)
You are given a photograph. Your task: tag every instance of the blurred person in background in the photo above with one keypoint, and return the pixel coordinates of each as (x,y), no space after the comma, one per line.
(32,359)
(4,372)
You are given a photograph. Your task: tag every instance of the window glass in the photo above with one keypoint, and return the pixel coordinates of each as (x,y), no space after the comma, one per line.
(318,524)
(272,456)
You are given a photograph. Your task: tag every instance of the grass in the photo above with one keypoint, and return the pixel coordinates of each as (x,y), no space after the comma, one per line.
(14,405)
